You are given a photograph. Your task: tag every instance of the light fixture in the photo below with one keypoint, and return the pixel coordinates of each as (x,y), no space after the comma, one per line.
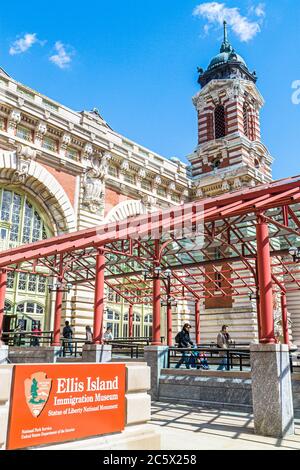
(170,302)
(60,287)
(157,273)
(295,253)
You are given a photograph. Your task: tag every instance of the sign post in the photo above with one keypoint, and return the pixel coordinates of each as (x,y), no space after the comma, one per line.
(59,403)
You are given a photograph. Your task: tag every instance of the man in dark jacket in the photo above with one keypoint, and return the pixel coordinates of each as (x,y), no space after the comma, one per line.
(68,335)
(184,341)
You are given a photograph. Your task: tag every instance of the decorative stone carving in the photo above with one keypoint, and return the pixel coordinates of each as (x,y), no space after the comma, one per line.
(172,187)
(234,91)
(40,131)
(157,181)
(65,142)
(94,184)
(66,139)
(24,156)
(149,202)
(141,174)
(13,120)
(199,192)
(237,184)
(88,150)
(125,166)
(225,186)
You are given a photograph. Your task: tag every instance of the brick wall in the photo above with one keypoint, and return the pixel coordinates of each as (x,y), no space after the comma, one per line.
(67,181)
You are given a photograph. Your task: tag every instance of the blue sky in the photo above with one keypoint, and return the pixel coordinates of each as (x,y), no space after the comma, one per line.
(136,61)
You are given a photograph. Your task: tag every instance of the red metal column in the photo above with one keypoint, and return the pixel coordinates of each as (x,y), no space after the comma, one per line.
(3,283)
(99,298)
(130,321)
(197,321)
(258,317)
(156,337)
(58,307)
(285,324)
(265,281)
(170,340)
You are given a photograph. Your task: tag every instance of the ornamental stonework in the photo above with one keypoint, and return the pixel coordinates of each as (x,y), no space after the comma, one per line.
(24,156)
(94,183)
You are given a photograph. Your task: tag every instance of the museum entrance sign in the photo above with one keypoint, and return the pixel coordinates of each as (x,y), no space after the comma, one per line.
(59,403)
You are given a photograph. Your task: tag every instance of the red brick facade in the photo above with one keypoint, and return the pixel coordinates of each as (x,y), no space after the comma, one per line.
(67,181)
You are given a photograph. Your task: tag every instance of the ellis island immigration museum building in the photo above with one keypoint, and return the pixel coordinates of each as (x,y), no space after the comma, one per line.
(63,171)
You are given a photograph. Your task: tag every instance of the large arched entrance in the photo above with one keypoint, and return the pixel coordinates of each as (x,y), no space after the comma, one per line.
(23,221)
(33,207)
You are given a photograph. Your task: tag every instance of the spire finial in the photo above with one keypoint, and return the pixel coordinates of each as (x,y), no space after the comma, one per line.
(226,46)
(225,31)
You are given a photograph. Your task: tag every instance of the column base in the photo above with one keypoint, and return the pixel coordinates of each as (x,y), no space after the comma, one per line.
(157,359)
(272,390)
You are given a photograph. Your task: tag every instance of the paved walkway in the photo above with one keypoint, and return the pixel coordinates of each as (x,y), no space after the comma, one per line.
(192,428)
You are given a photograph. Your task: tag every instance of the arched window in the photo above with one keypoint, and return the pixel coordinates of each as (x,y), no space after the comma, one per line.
(246,119)
(248,122)
(23,221)
(137,325)
(148,326)
(113,322)
(220,130)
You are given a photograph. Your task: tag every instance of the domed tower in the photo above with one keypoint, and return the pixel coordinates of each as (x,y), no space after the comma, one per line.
(230,154)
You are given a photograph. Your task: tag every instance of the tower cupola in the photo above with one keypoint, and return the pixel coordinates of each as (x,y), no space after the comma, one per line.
(226,64)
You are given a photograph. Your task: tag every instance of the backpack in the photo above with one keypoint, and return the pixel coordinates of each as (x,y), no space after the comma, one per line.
(177,338)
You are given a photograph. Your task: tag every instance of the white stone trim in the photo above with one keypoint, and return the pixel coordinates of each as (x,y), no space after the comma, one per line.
(39,180)
(126,209)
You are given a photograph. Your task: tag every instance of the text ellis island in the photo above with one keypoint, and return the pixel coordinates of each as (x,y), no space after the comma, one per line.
(73,385)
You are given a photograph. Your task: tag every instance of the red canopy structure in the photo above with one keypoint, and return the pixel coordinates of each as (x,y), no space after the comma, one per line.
(234,245)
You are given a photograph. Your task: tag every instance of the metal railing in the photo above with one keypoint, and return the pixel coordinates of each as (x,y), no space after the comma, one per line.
(209,358)
(72,347)
(132,350)
(139,339)
(27,338)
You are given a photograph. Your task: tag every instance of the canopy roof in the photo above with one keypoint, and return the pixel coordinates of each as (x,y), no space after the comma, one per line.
(209,246)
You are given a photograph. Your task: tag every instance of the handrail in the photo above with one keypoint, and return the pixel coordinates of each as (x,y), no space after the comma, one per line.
(133,349)
(68,343)
(20,338)
(191,357)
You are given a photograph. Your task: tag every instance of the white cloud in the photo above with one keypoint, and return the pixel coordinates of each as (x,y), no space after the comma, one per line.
(259,10)
(63,58)
(243,27)
(23,44)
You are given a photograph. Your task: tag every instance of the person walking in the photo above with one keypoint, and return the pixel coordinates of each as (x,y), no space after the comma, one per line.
(184,341)
(88,335)
(68,335)
(223,342)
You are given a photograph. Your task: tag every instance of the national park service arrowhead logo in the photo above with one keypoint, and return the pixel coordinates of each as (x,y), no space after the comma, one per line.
(37,391)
